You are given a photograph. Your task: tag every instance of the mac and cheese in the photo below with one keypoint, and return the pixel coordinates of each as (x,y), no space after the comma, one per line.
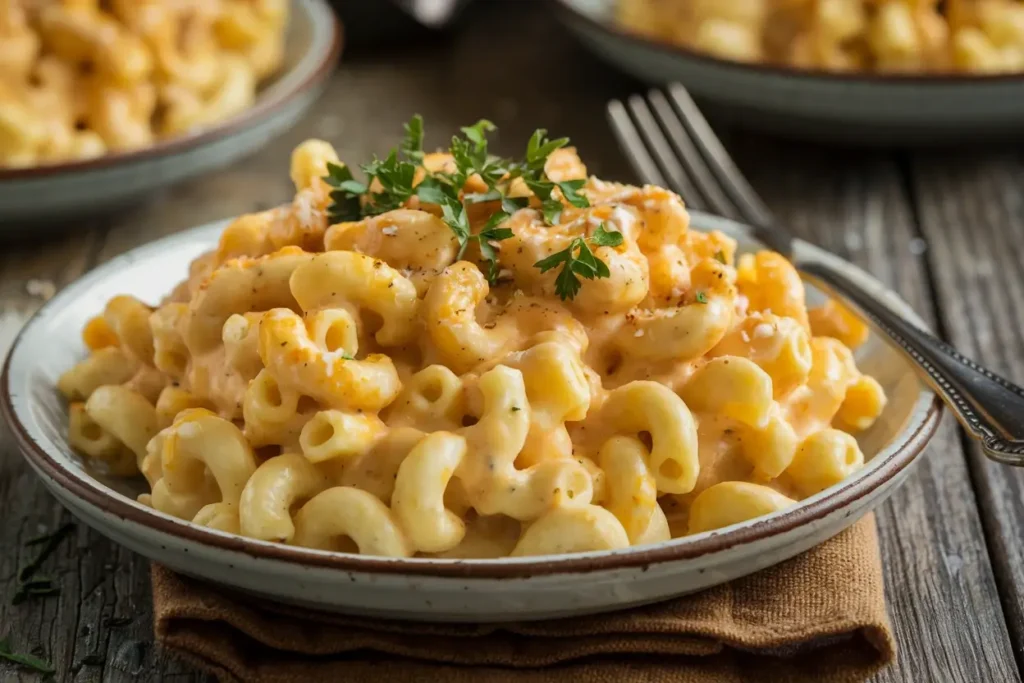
(389,386)
(841,35)
(79,79)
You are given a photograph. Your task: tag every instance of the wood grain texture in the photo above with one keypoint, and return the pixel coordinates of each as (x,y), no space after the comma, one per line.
(971,212)
(939,580)
(521,70)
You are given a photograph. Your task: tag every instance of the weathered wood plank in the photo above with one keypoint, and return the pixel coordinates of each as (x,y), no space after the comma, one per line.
(940,584)
(972,215)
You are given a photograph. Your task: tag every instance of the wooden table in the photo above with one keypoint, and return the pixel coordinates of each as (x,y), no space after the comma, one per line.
(945,229)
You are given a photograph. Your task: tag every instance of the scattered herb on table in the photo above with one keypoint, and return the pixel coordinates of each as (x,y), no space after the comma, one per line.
(28,661)
(31,585)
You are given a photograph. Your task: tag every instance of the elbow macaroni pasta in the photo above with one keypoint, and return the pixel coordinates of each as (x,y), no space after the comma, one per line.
(81,79)
(354,387)
(842,35)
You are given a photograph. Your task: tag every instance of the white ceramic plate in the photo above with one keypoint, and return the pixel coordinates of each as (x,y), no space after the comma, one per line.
(872,108)
(428,589)
(48,195)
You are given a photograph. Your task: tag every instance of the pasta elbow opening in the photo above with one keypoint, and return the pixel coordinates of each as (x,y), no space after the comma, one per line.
(670,469)
(334,340)
(432,391)
(320,431)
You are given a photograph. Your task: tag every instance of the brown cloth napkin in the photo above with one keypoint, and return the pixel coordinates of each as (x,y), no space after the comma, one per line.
(818,617)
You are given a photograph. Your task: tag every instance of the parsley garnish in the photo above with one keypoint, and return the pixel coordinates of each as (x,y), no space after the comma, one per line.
(701,297)
(345,205)
(394,174)
(27,661)
(391,181)
(720,257)
(578,259)
(472,158)
(412,143)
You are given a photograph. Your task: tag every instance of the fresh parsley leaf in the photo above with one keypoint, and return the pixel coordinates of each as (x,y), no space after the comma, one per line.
(27,661)
(603,237)
(539,148)
(541,188)
(556,259)
(485,238)
(569,190)
(395,177)
(578,260)
(701,297)
(345,204)
(471,156)
(477,133)
(412,143)
(720,257)
(552,210)
(567,285)
(433,191)
(454,214)
(512,204)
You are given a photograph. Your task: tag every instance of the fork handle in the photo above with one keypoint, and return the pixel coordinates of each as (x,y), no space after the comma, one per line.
(989,407)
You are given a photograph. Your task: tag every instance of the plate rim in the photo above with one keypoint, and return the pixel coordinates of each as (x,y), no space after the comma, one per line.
(319,69)
(910,444)
(894,79)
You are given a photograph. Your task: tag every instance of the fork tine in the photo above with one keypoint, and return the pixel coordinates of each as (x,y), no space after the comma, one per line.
(690,156)
(630,141)
(662,151)
(751,207)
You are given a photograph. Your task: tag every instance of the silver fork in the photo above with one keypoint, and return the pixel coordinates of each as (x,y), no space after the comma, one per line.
(669,143)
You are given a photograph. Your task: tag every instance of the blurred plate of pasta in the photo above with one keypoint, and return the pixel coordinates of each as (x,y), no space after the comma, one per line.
(893,71)
(102,104)
(469,388)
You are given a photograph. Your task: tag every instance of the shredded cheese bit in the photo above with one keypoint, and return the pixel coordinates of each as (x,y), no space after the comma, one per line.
(624,219)
(304,210)
(389,231)
(763,330)
(742,304)
(745,336)
(638,333)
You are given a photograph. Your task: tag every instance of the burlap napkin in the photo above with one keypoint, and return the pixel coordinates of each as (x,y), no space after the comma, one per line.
(818,617)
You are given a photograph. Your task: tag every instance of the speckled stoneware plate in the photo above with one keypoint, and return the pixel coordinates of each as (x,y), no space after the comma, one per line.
(54,196)
(428,589)
(926,109)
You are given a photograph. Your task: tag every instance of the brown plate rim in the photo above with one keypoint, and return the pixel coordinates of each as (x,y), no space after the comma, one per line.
(261,111)
(101,498)
(840,77)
